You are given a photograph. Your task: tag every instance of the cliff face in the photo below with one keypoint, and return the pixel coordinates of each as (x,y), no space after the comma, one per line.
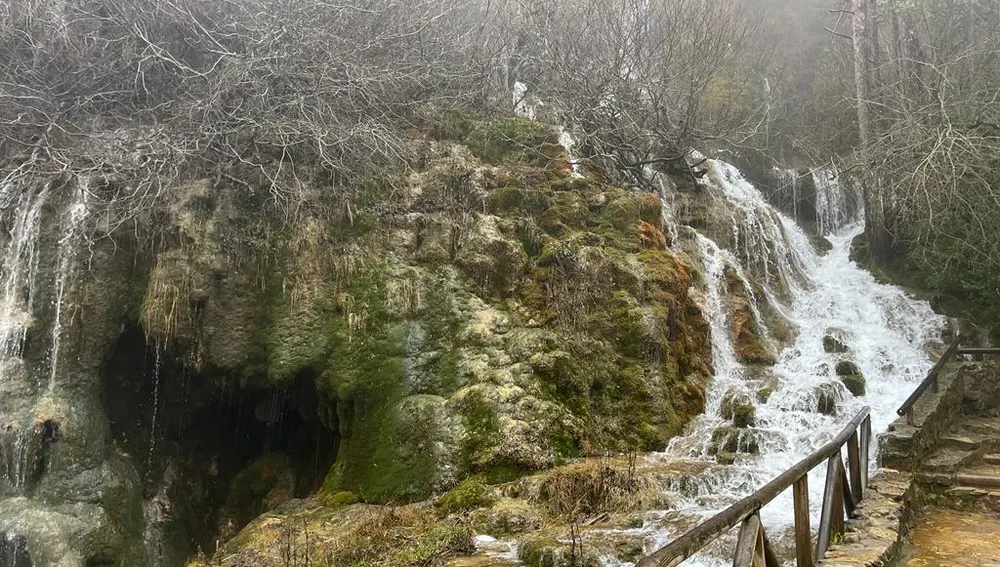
(492,312)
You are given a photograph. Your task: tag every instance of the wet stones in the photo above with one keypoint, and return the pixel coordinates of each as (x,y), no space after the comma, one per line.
(832,344)
(738,408)
(826,399)
(835,341)
(852,378)
(730,441)
(745,415)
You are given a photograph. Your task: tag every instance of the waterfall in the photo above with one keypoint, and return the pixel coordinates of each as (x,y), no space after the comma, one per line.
(568,143)
(17,281)
(69,247)
(884,330)
(773,258)
(836,207)
(18,267)
(769,245)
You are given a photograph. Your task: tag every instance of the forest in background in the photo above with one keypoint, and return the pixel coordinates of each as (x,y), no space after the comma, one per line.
(296,99)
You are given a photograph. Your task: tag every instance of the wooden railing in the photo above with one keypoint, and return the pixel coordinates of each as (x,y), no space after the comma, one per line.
(844,490)
(931,381)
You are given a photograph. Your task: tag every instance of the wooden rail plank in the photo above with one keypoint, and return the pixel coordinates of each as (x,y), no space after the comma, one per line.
(866,450)
(854,466)
(803,534)
(978,350)
(845,491)
(931,379)
(830,489)
(691,542)
(770,558)
(837,525)
(747,545)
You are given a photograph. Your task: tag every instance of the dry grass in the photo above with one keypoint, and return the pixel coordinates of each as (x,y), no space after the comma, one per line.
(589,489)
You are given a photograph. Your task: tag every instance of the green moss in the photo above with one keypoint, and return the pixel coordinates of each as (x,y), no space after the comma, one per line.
(764,394)
(515,141)
(733,440)
(623,212)
(744,415)
(503,474)
(338,499)
(725,458)
(482,430)
(567,211)
(470,493)
(552,553)
(514,198)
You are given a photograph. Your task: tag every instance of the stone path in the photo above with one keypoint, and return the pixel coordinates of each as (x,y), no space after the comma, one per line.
(946,538)
(873,535)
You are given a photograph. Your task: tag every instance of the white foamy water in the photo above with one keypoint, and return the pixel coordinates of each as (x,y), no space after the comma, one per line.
(884,329)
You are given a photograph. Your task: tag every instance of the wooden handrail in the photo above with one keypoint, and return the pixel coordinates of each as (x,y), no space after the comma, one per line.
(978,350)
(931,380)
(753,545)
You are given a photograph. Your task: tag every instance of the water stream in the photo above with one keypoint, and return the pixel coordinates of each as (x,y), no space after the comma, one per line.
(884,330)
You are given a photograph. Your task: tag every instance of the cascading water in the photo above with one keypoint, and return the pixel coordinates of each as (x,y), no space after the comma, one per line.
(835,207)
(883,329)
(69,246)
(884,333)
(17,283)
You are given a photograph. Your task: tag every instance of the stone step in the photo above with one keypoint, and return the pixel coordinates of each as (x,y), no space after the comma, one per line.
(980,427)
(959,442)
(947,460)
(979,477)
(991,459)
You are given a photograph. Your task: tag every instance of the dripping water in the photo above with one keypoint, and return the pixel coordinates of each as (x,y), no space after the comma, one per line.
(156,405)
(69,246)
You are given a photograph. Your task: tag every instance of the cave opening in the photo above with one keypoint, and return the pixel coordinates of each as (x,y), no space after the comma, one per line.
(221,448)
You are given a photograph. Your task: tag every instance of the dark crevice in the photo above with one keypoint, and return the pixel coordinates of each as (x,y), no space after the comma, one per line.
(232,449)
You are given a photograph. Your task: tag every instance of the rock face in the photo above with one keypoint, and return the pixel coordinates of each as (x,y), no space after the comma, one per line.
(489,314)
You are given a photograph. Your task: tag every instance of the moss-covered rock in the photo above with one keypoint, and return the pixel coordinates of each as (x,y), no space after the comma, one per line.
(827,396)
(730,401)
(725,458)
(855,384)
(744,415)
(470,493)
(554,553)
(847,368)
(764,394)
(833,344)
(733,440)
(749,338)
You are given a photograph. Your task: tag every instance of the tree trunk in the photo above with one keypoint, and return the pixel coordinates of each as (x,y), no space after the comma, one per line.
(878,216)
(863,34)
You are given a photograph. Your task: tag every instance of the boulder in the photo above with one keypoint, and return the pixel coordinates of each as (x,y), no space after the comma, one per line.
(855,383)
(833,344)
(847,368)
(827,397)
